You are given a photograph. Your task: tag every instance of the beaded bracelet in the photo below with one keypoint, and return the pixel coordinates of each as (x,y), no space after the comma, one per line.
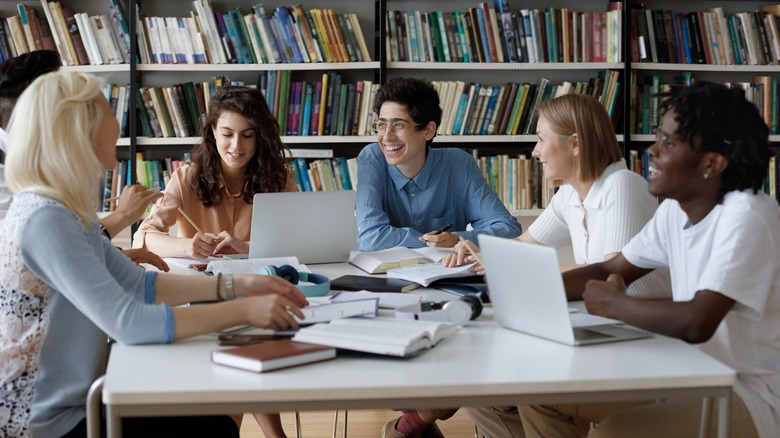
(219,285)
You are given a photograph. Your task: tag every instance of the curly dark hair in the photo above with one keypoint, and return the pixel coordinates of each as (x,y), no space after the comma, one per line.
(417,95)
(16,74)
(266,172)
(723,121)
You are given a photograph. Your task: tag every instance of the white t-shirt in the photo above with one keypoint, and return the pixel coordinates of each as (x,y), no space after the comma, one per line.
(5,192)
(615,209)
(734,251)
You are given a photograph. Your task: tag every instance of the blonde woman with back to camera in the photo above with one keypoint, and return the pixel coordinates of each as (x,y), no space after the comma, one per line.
(66,290)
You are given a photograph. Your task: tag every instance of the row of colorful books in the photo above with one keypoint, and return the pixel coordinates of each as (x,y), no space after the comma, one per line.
(151,173)
(485,34)
(762,90)
(518,181)
(288,34)
(706,36)
(482,109)
(639,162)
(329,106)
(329,174)
(325,107)
(118,96)
(80,39)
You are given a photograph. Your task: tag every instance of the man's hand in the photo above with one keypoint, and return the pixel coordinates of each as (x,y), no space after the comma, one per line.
(144,256)
(599,296)
(440,240)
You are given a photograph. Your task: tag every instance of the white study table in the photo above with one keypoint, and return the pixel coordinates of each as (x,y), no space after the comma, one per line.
(482,365)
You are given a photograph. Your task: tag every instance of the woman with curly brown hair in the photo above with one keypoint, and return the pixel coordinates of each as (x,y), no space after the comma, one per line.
(240,154)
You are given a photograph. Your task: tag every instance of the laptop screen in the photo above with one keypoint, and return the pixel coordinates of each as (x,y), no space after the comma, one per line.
(316,227)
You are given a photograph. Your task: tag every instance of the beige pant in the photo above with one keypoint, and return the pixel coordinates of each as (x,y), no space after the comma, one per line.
(669,418)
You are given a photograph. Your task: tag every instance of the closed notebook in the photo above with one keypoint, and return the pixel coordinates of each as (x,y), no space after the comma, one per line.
(272,355)
(373,284)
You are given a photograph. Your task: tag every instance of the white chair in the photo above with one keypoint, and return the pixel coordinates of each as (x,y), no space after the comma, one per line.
(94,397)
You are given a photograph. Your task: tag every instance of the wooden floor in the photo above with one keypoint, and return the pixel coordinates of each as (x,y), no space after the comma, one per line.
(361,424)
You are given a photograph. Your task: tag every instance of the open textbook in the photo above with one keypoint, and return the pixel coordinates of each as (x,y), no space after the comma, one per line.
(379,262)
(251,266)
(234,264)
(388,336)
(427,273)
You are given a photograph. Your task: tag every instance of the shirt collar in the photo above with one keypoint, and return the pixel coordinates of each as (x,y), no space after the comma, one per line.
(421,179)
(596,193)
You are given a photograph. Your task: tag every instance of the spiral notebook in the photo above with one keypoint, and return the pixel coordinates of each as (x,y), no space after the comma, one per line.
(426,273)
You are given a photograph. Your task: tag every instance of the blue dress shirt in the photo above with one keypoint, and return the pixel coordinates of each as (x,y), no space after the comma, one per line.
(393,210)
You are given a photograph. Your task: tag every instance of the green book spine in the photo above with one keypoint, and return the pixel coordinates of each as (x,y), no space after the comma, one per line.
(284,93)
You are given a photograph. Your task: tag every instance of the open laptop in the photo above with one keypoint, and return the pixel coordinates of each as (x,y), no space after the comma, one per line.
(526,289)
(315,227)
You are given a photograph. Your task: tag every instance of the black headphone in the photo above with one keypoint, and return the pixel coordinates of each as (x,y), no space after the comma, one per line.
(320,284)
(457,312)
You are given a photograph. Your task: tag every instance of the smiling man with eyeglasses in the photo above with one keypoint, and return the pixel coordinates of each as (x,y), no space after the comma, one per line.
(409,193)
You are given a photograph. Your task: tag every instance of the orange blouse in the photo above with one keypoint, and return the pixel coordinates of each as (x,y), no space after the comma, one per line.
(232,214)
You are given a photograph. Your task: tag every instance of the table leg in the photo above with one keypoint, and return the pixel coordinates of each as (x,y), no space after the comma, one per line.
(724,416)
(113,423)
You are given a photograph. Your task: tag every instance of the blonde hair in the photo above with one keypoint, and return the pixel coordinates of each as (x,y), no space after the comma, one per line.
(583,115)
(52,133)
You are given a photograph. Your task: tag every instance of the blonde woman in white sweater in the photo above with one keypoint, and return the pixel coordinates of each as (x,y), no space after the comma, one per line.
(601,204)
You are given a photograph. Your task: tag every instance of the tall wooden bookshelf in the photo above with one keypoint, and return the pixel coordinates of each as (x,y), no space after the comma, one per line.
(504,72)
(372,18)
(731,59)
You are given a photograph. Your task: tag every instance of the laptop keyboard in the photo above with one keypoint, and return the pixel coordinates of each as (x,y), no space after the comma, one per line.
(583,334)
(586,319)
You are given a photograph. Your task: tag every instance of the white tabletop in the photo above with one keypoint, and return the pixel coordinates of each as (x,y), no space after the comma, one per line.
(482,365)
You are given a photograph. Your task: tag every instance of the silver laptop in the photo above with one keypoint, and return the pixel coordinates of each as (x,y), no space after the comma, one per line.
(526,289)
(316,227)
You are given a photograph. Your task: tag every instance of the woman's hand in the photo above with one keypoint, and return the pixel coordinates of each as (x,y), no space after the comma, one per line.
(230,245)
(202,245)
(273,312)
(139,256)
(461,257)
(261,285)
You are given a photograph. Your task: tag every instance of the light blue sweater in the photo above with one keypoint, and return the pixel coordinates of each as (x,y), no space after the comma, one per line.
(96,293)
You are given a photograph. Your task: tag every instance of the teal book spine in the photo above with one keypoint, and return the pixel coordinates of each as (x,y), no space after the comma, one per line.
(306,116)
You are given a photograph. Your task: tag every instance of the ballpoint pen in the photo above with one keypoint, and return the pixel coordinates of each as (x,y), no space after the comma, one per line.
(442,230)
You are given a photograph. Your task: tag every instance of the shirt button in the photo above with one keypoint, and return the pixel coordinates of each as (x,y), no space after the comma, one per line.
(412,195)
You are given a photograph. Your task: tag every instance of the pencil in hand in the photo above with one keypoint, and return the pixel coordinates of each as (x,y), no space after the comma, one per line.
(189,219)
(473,250)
